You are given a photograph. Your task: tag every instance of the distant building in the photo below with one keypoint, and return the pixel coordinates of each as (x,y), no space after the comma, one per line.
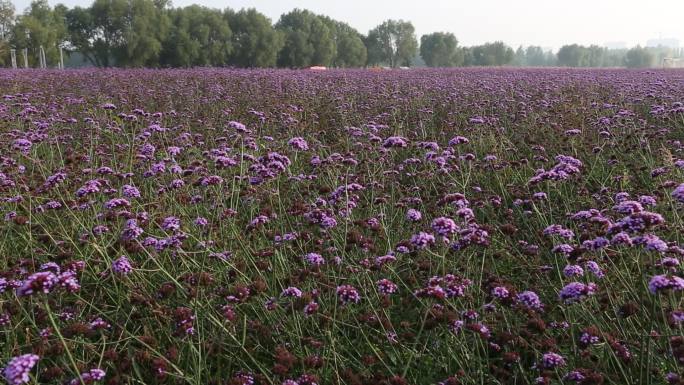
(670,62)
(669,43)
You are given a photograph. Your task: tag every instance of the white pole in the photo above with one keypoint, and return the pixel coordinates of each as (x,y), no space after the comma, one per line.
(25,52)
(13,54)
(61,58)
(41,54)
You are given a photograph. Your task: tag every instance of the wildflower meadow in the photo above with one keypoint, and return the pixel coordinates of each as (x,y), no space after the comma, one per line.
(427,226)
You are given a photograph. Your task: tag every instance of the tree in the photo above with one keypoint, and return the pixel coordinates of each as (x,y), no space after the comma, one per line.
(6,18)
(638,57)
(255,42)
(440,49)
(81,34)
(198,36)
(520,59)
(308,40)
(535,56)
(572,55)
(492,54)
(393,42)
(120,32)
(350,50)
(146,29)
(41,25)
(595,56)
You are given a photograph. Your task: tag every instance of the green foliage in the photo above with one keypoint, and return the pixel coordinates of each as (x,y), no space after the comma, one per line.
(571,55)
(40,25)
(440,49)
(199,36)
(350,50)
(122,32)
(491,54)
(638,57)
(393,43)
(6,18)
(308,40)
(150,33)
(255,42)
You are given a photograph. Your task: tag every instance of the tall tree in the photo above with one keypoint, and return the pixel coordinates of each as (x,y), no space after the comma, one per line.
(147,26)
(638,57)
(595,56)
(120,32)
(255,42)
(572,55)
(492,54)
(349,48)
(41,25)
(6,18)
(393,42)
(308,40)
(535,56)
(440,49)
(198,36)
(351,51)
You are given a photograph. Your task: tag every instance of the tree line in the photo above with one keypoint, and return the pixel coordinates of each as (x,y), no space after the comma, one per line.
(151,33)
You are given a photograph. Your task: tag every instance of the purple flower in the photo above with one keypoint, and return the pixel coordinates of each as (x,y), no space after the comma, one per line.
(651,242)
(456,140)
(540,196)
(422,240)
(413,215)
(17,370)
(574,376)
(665,282)
(171,224)
(573,271)
(395,141)
(559,230)
(552,361)
(628,207)
(89,377)
(348,294)
(314,259)
(576,291)
(43,281)
(298,144)
(385,286)
(444,226)
(678,193)
(117,202)
(530,300)
(131,230)
(122,265)
(23,145)
(311,308)
(500,292)
(595,269)
(564,249)
(621,238)
(291,292)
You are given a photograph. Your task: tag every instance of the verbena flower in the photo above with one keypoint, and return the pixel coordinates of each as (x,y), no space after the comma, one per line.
(18,368)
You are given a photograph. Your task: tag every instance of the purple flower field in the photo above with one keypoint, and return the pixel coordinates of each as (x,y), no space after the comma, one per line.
(465,226)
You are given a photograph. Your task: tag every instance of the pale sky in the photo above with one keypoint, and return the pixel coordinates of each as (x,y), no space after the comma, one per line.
(547,23)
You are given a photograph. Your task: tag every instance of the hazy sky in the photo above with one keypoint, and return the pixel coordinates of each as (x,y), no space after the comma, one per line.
(548,23)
